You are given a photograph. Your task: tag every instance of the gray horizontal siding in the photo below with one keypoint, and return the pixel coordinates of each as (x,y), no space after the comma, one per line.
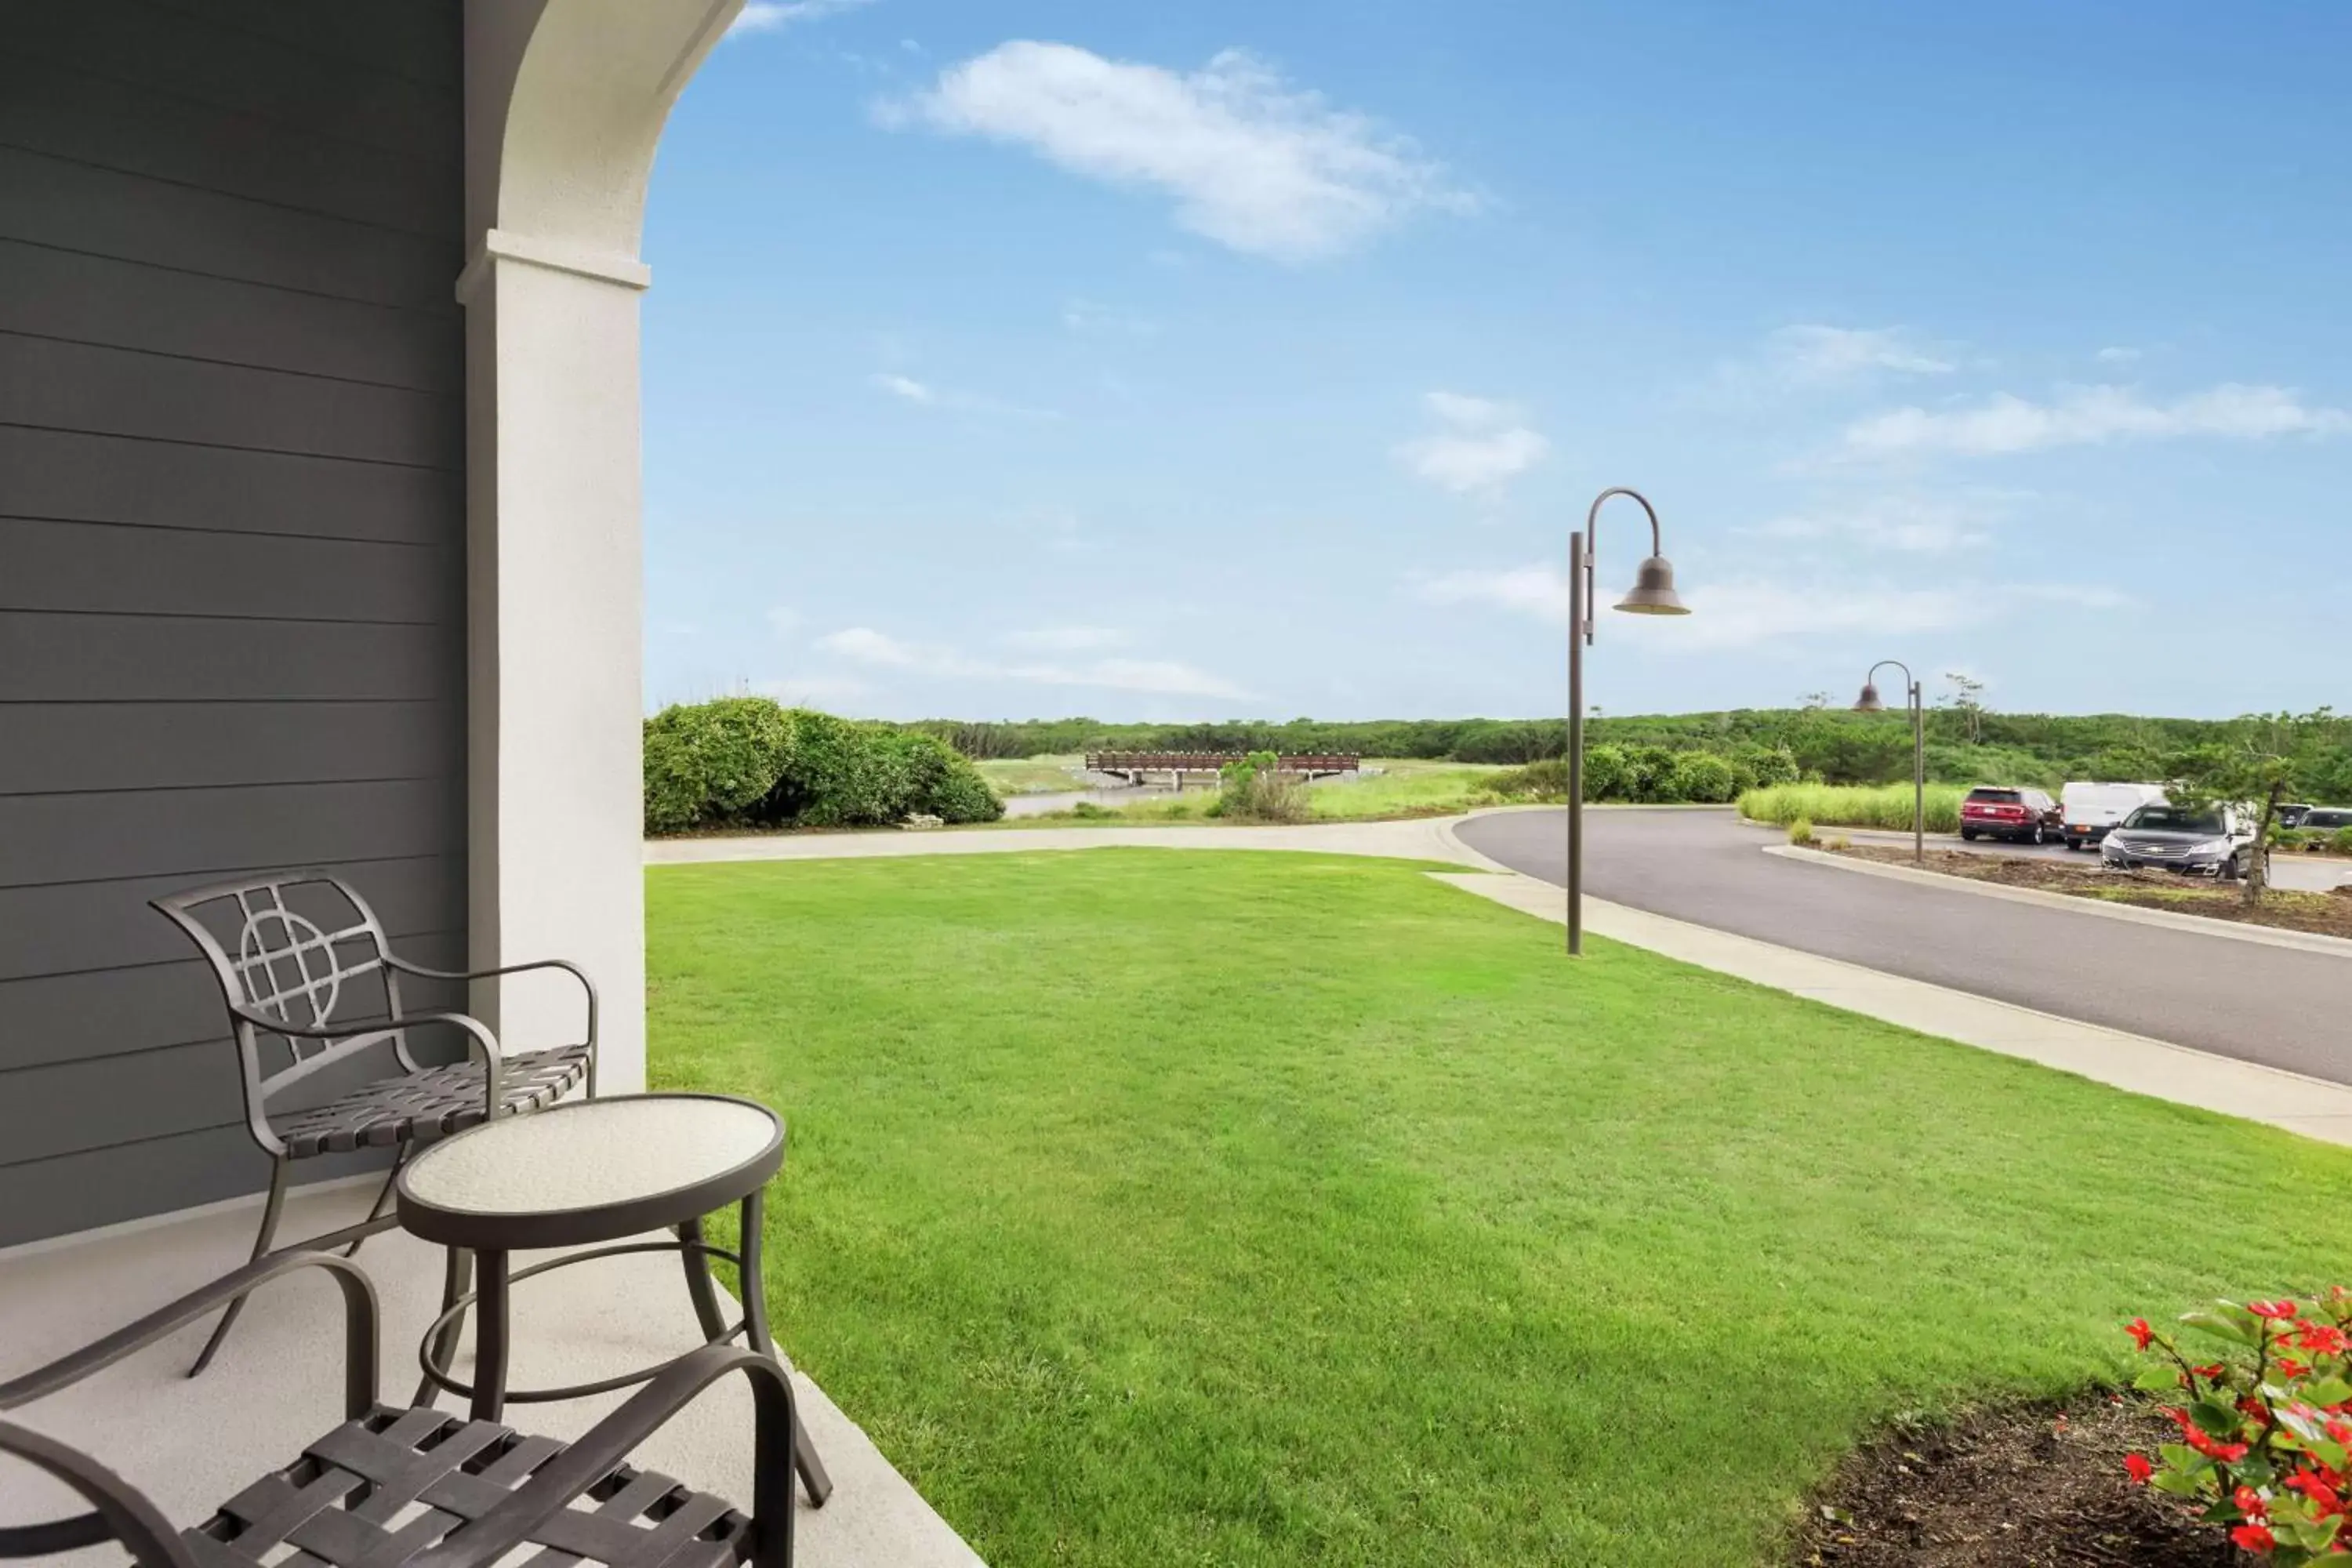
(66,475)
(110,390)
(107,212)
(184,53)
(47,106)
(52,293)
(232,547)
(46,657)
(59,928)
(83,747)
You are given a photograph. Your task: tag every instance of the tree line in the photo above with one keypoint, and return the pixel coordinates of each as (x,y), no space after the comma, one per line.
(1966,743)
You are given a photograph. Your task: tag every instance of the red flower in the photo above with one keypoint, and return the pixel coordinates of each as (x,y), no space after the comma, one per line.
(2291,1368)
(2325,1338)
(2139,1332)
(2322,1497)
(2339,1430)
(2249,1503)
(2215,1369)
(2252,1538)
(2226,1453)
(2277,1310)
(2137,1467)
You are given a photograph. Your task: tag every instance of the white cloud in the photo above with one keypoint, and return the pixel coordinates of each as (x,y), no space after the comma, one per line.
(2092,416)
(924,394)
(2118,356)
(1090,319)
(1251,162)
(905,386)
(865,644)
(1837,355)
(1747,613)
(1067,639)
(868,645)
(772,16)
(1913,524)
(825,691)
(1483,445)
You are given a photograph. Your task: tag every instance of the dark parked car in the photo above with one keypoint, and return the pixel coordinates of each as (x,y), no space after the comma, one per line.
(2216,841)
(2322,818)
(2000,811)
(2291,814)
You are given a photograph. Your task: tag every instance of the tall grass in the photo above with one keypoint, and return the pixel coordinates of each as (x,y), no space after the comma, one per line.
(1852,805)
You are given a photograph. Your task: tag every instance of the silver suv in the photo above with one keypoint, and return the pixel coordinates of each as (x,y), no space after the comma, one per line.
(2215,841)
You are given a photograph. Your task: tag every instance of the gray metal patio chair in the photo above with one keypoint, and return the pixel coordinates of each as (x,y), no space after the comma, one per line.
(288,951)
(393,1488)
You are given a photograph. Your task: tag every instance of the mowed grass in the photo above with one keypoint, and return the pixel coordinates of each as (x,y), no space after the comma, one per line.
(1153,1206)
(1032,775)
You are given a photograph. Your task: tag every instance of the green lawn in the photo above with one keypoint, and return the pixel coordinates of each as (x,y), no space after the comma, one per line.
(1410,787)
(1151,1208)
(1031,775)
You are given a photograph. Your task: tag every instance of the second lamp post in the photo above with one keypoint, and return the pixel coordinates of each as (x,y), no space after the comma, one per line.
(1652,595)
(1869,703)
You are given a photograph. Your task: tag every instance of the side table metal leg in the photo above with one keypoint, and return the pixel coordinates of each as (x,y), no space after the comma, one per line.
(698,1283)
(456,1279)
(490,1338)
(814,1480)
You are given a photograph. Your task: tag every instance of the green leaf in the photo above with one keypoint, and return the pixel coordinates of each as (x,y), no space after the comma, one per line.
(2176,1483)
(2328,1391)
(2228,1328)
(2218,1419)
(2157,1378)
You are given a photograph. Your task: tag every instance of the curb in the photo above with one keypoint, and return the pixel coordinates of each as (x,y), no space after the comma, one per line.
(2304,941)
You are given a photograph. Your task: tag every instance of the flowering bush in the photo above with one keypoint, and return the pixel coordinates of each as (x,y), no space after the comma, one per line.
(2266,1430)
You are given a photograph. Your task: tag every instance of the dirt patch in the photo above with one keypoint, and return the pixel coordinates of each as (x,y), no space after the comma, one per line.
(2324,914)
(2034,1486)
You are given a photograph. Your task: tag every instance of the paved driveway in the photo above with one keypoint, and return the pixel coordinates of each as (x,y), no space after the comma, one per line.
(2280,1006)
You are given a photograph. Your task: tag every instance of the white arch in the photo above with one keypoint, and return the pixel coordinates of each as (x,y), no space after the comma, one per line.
(565,101)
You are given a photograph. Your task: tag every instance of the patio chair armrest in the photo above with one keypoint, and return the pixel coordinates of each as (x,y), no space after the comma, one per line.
(119,1510)
(360,1345)
(609,1443)
(565,964)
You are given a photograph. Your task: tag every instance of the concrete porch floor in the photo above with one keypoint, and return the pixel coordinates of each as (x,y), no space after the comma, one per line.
(275,1385)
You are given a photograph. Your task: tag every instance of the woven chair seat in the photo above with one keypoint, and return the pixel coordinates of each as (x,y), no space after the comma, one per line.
(347,1504)
(419,1106)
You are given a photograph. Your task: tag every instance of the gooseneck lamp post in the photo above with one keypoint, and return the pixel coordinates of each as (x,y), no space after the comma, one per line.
(1869,703)
(1653,594)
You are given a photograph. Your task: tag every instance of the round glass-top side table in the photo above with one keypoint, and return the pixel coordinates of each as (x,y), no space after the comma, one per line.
(597,1175)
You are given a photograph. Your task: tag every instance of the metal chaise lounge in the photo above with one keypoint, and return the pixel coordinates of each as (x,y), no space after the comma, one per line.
(285,949)
(392,1488)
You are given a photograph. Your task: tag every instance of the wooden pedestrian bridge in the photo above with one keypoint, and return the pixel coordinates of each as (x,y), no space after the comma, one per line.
(1143,767)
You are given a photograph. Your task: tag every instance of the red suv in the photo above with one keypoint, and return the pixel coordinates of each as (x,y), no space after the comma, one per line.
(2027,816)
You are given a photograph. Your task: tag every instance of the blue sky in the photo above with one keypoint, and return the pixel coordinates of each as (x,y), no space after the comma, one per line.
(1232,360)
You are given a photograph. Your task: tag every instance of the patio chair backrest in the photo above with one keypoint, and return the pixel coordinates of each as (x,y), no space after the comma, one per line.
(293,946)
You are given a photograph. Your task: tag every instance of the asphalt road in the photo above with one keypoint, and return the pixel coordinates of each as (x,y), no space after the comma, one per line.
(2282,1006)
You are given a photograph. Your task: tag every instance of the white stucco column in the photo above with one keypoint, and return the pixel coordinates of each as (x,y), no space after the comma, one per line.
(564,104)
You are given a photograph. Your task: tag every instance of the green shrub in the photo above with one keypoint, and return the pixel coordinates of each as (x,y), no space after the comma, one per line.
(1703,777)
(941,782)
(2342,841)
(1800,832)
(1605,774)
(1256,790)
(1649,775)
(713,761)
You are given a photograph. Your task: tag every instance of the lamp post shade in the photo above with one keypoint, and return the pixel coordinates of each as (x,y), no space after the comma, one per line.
(1654,590)
(1868,702)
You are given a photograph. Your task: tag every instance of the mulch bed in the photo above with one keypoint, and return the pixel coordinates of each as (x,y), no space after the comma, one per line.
(2327,914)
(2031,1486)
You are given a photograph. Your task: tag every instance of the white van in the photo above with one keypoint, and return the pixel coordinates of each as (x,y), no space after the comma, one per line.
(2091,809)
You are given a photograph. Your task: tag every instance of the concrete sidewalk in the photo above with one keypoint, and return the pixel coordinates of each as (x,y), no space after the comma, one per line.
(2157,1069)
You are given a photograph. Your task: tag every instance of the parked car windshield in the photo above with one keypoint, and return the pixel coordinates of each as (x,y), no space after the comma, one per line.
(2174,819)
